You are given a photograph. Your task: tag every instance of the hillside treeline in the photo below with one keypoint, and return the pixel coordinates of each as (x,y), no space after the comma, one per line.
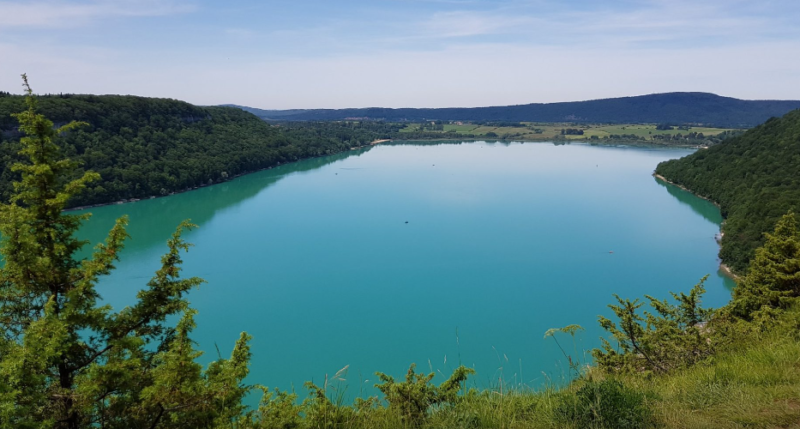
(144,147)
(754,177)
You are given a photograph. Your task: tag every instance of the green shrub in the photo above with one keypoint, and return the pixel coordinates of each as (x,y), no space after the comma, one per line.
(605,404)
(413,397)
(278,411)
(673,336)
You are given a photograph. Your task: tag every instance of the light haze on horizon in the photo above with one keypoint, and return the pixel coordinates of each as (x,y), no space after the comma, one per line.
(284,54)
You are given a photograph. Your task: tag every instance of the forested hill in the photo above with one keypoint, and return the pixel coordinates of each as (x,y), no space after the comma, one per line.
(676,107)
(754,177)
(146,147)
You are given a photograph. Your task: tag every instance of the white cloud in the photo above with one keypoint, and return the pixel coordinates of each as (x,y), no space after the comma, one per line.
(503,75)
(439,59)
(467,24)
(60,14)
(655,21)
(475,75)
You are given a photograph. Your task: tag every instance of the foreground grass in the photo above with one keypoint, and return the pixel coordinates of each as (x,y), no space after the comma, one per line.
(758,387)
(754,383)
(755,388)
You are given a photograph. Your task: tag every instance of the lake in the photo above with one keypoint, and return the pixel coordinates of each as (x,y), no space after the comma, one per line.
(428,253)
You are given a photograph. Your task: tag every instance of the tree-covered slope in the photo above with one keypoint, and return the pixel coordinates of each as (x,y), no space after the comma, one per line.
(147,147)
(754,177)
(675,107)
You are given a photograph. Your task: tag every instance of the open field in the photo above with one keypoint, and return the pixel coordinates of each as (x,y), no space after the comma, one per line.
(467,128)
(550,131)
(648,130)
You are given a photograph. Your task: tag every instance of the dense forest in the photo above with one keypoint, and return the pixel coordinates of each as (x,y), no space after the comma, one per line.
(754,177)
(355,132)
(144,147)
(674,108)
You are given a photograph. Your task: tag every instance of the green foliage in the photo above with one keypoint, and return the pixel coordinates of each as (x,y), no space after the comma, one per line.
(415,396)
(325,407)
(673,336)
(143,147)
(752,382)
(65,360)
(278,410)
(753,378)
(605,404)
(569,330)
(755,178)
(773,281)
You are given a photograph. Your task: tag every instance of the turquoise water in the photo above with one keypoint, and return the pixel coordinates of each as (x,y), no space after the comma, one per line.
(436,254)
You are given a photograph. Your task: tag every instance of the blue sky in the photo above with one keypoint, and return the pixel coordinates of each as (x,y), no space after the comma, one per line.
(401,53)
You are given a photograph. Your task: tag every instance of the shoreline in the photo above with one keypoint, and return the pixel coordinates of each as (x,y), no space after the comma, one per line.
(597,142)
(205,185)
(723,268)
(376,142)
(726,271)
(664,179)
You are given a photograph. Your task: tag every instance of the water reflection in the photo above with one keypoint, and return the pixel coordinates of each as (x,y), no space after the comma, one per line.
(152,221)
(705,208)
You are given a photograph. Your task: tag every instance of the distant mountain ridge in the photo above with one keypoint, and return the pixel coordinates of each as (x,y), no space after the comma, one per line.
(675,107)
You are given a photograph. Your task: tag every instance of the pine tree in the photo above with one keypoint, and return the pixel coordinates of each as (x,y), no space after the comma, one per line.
(66,360)
(670,337)
(773,280)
